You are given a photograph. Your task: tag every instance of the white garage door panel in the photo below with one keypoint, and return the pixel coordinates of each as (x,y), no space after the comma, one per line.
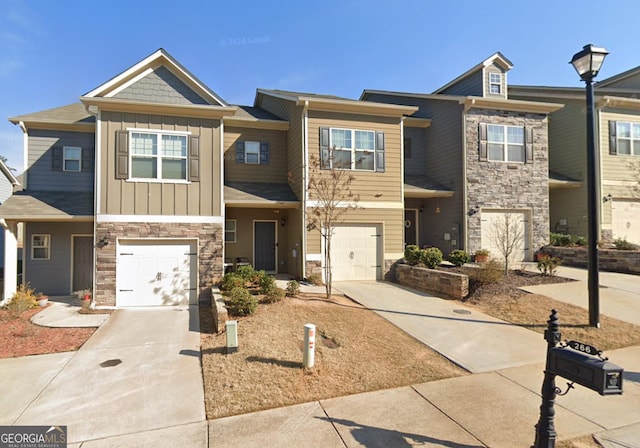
(355,252)
(153,273)
(493,231)
(625,217)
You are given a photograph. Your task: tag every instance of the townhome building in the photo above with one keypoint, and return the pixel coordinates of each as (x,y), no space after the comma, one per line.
(476,171)
(617,117)
(152,185)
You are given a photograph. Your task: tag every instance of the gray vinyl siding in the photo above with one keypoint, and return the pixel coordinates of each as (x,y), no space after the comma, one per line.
(6,188)
(161,86)
(631,82)
(471,85)
(417,164)
(503,81)
(41,176)
(52,276)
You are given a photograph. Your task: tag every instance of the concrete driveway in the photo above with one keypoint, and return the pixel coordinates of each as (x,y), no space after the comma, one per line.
(139,372)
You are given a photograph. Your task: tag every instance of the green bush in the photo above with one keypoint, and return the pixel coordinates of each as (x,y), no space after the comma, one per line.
(22,300)
(562,239)
(459,257)
(232,280)
(580,240)
(274,294)
(265,281)
(247,273)
(293,288)
(412,254)
(315,280)
(623,244)
(241,302)
(548,265)
(431,257)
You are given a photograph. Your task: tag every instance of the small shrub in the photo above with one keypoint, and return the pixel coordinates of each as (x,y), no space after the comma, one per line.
(315,280)
(459,257)
(232,280)
(247,273)
(23,299)
(274,294)
(431,257)
(412,254)
(562,239)
(580,240)
(265,281)
(241,302)
(548,265)
(623,244)
(490,272)
(293,288)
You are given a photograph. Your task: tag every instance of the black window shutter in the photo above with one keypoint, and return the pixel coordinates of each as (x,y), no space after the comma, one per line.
(194,158)
(482,137)
(528,145)
(380,152)
(325,156)
(122,154)
(264,153)
(613,141)
(87,159)
(57,158)
(239,152)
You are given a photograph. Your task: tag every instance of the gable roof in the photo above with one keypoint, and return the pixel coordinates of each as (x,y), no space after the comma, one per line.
(8,174)
(70,116)
(635,71)
(156,60)
(497,58)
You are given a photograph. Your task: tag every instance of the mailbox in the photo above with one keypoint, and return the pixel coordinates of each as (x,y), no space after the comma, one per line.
(602,376)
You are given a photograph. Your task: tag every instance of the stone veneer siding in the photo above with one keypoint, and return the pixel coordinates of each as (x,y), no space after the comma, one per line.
(625,261)
(504,185)
(315,268)
(448,285)
(210,247)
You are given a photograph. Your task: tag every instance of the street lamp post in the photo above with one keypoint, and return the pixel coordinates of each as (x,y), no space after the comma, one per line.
(587,63)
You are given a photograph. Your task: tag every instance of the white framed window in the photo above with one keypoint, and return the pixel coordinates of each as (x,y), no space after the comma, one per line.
(158,155)
(72,158)
(505,143)
(40,246)
(230,231)
(628,138)
(252,153)
(495,83)
(353,149)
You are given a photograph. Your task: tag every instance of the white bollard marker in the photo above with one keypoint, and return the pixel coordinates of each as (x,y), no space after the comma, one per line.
(309,346)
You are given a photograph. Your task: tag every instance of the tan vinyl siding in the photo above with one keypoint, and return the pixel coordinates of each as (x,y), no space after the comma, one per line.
(160,198)
(569,204)
(493,68)
(369,185)
(392,221)
(274,171)
(620,167)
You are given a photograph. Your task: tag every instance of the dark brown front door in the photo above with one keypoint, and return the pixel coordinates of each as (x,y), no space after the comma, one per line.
(410,227)
(82,262)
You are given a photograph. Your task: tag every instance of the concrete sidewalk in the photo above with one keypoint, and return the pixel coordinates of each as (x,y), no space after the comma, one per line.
(63,312)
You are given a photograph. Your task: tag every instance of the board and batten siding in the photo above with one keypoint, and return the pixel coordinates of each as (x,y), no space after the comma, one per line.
(40,173)
(161,198)
(369,185)
(275,171)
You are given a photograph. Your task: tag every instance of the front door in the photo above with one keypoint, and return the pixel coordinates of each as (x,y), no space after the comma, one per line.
(82,262)
(410,226)
(265,246)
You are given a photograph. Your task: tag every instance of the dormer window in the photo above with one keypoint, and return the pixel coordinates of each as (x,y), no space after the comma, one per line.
(495,83)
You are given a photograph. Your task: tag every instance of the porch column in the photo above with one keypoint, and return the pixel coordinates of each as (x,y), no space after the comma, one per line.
(10,260)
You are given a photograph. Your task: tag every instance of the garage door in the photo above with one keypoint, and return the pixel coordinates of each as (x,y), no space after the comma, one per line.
(356,252)
(625,219)
(506,228)
(153,273)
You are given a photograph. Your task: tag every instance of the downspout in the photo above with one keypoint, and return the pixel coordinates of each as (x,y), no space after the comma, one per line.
(25,153)
(223,209)
(96,194)
(305,178)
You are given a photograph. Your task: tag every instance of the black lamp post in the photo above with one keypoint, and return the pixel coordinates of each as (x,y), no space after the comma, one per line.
(587,63)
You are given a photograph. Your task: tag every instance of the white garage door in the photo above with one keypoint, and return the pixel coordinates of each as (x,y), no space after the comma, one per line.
(625,217)
(355,252)
(152,273)
(502,229)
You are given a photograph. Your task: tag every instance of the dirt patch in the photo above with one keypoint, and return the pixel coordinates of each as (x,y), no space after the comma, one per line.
(21,337)
(356,351)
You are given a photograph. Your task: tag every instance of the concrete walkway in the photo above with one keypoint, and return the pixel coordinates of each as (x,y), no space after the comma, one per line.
(63,312)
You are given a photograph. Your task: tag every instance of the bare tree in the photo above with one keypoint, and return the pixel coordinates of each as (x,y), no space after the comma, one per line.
(330,189)
(507,236)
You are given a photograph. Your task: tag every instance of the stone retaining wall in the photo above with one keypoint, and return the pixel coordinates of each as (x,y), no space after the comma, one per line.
(447,285)
(613,260)
(219,310)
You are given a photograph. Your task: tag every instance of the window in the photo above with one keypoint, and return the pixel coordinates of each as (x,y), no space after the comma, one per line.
(40,246)
(505,143)
(72,160)
(252,153)
(495,83)
(628,138)
(158,156)
(230,231)
(353,149)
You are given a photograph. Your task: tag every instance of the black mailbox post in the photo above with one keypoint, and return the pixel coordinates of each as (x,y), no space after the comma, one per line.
(577,362)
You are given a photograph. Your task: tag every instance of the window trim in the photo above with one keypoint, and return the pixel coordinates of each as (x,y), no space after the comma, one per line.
(257,152)
(159,157)
(505,143)
(629,139)
(65,159)
(47,246)
(354,150)
(234,231)
(493,83)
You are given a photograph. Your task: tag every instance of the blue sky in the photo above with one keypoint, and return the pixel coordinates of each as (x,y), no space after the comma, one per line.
(51,52)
